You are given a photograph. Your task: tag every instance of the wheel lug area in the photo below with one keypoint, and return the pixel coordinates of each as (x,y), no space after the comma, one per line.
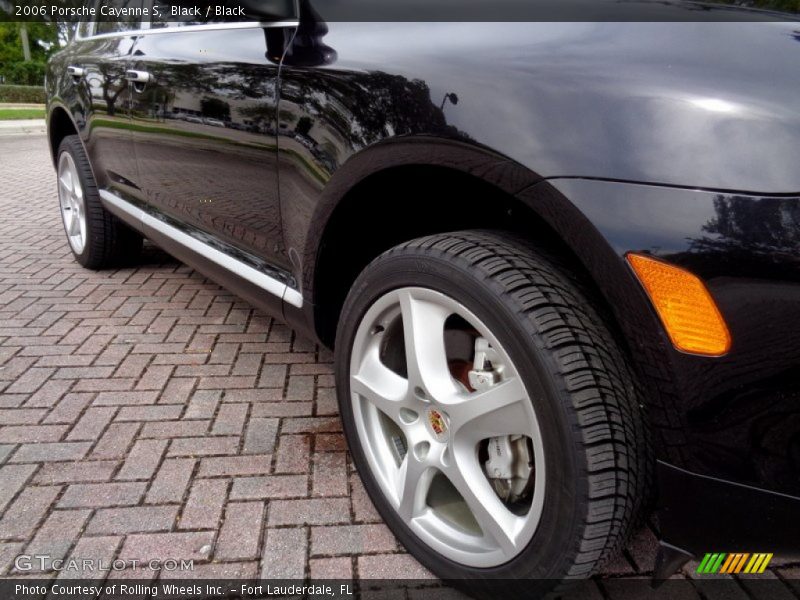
(446,454)
(408,415)
(421,450)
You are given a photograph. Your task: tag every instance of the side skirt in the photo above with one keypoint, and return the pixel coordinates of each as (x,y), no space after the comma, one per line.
(241,278)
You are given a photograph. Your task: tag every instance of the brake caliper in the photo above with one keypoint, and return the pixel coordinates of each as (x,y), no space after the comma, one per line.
(510,465)
(484,373)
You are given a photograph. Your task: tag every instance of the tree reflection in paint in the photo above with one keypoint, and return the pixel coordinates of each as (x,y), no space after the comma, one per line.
(759,235)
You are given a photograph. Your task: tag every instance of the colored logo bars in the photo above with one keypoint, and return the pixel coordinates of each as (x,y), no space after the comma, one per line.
(738,562)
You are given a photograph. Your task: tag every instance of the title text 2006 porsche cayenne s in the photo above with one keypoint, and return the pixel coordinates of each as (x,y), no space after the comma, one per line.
(559,263)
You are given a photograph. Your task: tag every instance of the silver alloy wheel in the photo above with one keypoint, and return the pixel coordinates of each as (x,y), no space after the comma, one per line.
(73,203)
(441,425)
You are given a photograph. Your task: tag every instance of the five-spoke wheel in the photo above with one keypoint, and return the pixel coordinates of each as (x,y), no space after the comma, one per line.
(427,432)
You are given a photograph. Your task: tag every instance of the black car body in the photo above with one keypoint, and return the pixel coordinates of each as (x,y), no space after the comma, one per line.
(288,174)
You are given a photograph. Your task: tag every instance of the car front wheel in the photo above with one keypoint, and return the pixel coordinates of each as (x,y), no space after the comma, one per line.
(490,413)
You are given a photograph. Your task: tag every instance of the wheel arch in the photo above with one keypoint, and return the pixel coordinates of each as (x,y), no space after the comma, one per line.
(59,125)
(374,184)
(458,186)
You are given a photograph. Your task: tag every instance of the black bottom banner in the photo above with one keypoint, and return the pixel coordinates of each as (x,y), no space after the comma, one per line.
(405,589)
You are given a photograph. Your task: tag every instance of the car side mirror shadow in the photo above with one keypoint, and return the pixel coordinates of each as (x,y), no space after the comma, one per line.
(307,48)
(301,48)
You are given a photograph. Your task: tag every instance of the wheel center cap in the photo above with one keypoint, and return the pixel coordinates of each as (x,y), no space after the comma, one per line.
(438,424)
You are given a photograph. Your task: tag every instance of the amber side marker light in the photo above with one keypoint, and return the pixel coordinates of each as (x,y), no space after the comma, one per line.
(684,305)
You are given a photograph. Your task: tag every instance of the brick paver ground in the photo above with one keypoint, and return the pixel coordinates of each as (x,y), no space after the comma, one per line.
(148,413)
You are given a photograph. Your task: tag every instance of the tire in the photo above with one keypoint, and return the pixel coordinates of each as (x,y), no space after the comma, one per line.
(96,237)
(591,466)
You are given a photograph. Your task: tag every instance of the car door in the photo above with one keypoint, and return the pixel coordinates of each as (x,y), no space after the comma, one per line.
(203,109)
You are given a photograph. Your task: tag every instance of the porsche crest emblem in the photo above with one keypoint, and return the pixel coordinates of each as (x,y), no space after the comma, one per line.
(438,423)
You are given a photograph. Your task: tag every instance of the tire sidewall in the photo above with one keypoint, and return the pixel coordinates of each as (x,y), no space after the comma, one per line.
(556,540)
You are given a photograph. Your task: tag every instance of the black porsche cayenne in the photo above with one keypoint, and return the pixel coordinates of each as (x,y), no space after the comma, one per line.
(559,263)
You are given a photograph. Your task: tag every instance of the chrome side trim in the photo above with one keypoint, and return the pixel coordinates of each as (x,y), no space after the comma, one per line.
(227,262)
(134,212)
(189,28)
(293,297)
